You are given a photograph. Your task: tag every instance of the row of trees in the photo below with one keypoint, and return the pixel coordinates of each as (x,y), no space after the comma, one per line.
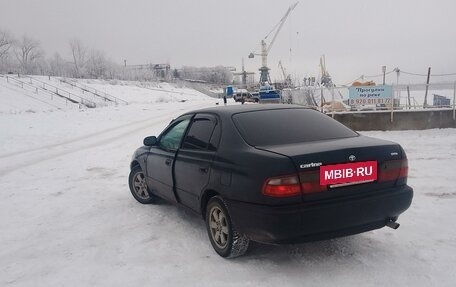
(25,56)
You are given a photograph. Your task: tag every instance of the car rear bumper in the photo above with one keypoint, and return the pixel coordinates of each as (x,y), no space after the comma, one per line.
(326,219)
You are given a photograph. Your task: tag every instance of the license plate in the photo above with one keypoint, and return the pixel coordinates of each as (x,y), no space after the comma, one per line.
(348,172)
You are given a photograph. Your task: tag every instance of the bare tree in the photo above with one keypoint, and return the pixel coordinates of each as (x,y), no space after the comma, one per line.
(6,41)
(28,53)
(58,66)
(97,64)
(79,53)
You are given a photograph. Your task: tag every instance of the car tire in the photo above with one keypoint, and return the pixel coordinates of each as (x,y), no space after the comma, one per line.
(224,237)
(138,186)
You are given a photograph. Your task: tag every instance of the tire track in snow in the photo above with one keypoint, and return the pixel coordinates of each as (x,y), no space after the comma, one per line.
(80,138)
(20,160)
(68,148)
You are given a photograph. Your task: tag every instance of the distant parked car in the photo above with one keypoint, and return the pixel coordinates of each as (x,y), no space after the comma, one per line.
(245,96)
(272,174)
(238,96)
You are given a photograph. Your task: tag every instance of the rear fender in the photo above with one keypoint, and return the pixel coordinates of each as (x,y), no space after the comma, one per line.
(206,196)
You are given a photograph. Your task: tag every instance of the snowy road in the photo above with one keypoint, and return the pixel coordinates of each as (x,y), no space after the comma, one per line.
(68,219)
(32,156)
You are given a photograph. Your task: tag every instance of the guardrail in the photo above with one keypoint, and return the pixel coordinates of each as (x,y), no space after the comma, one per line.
(54,91)
(103,95)
(404,97)
(58,90)
(32,89)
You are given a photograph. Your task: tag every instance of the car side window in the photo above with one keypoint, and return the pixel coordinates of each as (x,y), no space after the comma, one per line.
(200,133)
(172,138)
(215,138)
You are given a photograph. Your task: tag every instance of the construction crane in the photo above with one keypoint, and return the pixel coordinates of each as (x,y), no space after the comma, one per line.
(244,74)
(326,79)
(265,48)
(286,77)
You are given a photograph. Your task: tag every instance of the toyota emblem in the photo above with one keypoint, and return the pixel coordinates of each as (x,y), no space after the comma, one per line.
(352,158)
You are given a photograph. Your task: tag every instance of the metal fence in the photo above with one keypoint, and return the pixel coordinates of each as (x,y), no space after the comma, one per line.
(404,97)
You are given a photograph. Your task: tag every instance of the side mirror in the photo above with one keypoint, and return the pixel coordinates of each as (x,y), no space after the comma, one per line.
(150,141)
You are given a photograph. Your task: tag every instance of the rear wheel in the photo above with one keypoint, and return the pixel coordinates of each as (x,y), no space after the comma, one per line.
(224,237)
(138,186)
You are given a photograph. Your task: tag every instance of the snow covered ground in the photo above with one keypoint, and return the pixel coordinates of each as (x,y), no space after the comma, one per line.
(67,217)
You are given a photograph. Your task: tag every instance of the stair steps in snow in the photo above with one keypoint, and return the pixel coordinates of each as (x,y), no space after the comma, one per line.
(37,86)
(59,91)
(28,96)
(100,94)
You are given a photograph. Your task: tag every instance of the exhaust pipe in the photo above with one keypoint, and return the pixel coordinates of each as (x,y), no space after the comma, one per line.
(392,224)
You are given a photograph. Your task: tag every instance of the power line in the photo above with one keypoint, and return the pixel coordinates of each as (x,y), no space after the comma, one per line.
(359,78)
(424,75)
(371,76)
(401,71)
(442,75)
(379,75)
(413,74)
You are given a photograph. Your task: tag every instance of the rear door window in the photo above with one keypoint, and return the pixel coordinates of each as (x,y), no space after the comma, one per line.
(201,135)
(288,126)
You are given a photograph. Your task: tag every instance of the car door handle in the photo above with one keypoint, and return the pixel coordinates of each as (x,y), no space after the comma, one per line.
(204,169)
(168,161)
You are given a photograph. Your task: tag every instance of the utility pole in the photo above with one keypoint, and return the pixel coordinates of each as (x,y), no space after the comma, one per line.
(454,99)
(398,91)
(384,71)
(408,97)
(454,104)
(427,88)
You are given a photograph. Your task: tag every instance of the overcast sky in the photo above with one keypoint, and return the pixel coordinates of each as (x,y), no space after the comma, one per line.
(357,36)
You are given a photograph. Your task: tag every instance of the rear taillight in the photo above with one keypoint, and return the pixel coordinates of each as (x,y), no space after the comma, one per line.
(292,185)
(310,182)
(393,170)
(284,186)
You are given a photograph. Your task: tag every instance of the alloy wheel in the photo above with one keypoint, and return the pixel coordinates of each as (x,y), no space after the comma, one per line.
(218,227)
(140,186)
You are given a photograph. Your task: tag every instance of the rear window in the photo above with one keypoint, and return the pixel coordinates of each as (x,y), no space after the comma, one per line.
(288,126)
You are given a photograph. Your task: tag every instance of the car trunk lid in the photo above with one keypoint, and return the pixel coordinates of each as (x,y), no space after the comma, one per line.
(339,158)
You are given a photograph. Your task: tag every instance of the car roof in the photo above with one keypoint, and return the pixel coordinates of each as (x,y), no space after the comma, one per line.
(234,109)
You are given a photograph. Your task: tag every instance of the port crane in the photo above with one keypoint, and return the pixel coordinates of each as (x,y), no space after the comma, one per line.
(265,48)
(286,77)
(244,75)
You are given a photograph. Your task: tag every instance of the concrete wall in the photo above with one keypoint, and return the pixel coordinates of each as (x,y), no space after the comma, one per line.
(402,120)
